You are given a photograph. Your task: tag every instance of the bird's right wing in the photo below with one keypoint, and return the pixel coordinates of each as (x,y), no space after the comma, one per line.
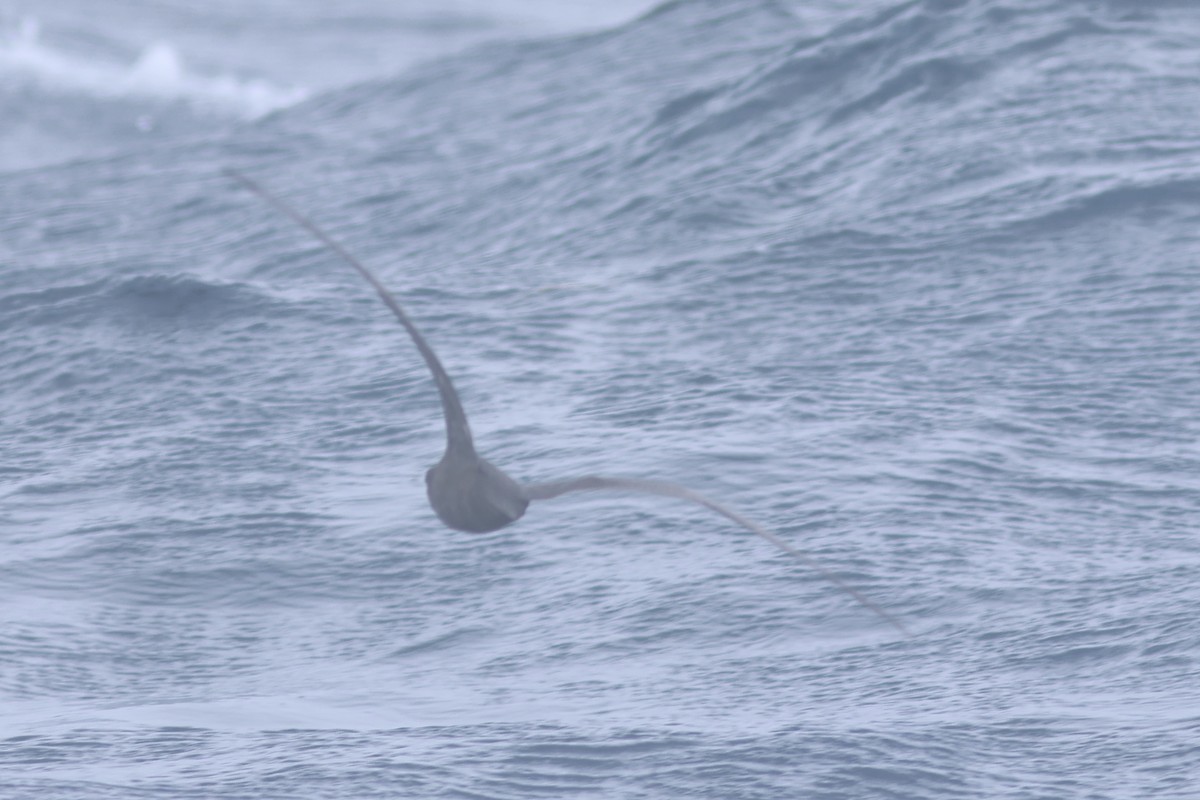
(545,491)
(458,432)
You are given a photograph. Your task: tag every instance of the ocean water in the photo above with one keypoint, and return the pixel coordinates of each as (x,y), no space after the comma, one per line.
(914,284)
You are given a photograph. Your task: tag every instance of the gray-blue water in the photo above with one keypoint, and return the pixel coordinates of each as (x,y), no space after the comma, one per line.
(914,284)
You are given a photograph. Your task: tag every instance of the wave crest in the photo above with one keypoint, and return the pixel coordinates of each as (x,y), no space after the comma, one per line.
(159,73)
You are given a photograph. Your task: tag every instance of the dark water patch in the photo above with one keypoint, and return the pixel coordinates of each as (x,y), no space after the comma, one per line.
(136,303)
(1125,205)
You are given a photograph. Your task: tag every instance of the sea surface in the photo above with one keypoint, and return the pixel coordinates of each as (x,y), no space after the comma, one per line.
(916,285)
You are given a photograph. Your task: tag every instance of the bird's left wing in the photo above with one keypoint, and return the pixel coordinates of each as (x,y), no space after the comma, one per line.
(545,491)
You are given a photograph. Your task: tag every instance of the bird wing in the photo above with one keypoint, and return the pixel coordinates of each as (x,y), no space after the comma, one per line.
(545,491)
(458,432)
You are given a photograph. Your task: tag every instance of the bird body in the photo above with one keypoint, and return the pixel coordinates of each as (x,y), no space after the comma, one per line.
(471,494)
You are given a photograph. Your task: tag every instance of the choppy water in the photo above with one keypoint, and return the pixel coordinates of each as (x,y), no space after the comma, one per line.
(915,284)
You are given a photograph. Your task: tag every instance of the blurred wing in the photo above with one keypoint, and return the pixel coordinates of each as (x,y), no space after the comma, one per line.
(545,491)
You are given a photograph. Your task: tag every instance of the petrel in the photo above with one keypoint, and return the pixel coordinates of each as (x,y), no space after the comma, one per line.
(468,492)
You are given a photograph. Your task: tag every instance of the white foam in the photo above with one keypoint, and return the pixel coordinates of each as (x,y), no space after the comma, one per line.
(159,73)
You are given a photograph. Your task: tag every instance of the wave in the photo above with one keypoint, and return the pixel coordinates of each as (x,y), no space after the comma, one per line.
(952,118)
(159,73)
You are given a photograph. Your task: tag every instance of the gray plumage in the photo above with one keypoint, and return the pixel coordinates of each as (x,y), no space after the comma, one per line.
(469,493)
